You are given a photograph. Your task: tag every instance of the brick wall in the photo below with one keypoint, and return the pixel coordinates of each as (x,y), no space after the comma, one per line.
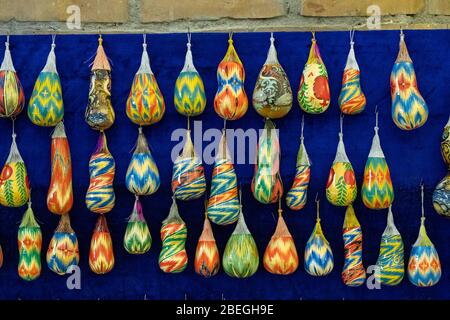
(43,16)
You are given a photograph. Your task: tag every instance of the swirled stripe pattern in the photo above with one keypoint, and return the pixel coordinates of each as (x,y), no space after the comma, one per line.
(353,274)
(12,98)
(297,195)
(391,260)
(351,99)
(173,257)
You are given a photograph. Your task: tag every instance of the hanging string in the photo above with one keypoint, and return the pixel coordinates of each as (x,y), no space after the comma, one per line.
(13,119)
(189,36)
(313,36)
(318,207)
(352,35)
(302,127)
(136,197)
(53,41)
(188,125)
(376,119)
(29,200)
(280,211)
(100,39)
(240,197)
(272,39)
(144,41)
(206,205)
(230,37)
(402,35)
(341,125)
(422,219)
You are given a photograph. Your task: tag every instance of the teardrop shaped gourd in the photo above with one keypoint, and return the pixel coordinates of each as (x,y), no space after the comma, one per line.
(145,103)
(188,176)
(14,184)
(314,91)
(409,109)
(99,113)
(223,203)
(142,176)
(60,193)
(29,240)
(267,185)
(390,262)
(441,194)
(353,273)
(46,107)
(240,258)
(377,191)
(351,99)
(100,196)
(207,258)
(173,257)
(101,254)
(445,143)
(63,251)
(189,96)
(281,255)
(272,96)
(137,239)
(319,259)
(297,195)
(12,97)
(341,187)
(230,101)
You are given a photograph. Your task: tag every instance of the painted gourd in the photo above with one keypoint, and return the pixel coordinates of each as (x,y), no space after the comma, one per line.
(409,109)
(207,258)
(240,258)
(29,240)
(173,257)
(353,273)
(189,96)
(351,99)
(441,194)
(100,197)
(101,254)
(297,195)
(46,106)
(377,191)
(14,185)
(314,91)
(319,259)
(12,97)
(145,103)
(267,186)
(390,262)
(137,239)
(99,113)
(341,187)
(142,176)
(188,176)
(223,203)
(60,194)
(230,101)
(272,96)
(63,249)
(281,255)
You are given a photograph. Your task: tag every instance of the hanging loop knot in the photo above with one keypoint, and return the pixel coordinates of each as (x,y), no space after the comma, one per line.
(272,39)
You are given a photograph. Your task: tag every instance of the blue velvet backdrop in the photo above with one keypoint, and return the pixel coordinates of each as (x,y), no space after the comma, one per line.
(411,156)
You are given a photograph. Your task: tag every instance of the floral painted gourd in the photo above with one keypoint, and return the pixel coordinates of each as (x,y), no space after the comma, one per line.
(441,195)
(101,254)
(137,239)
(46,107)
(314,91)
(409,109)
(230,101)
(207,258)
(272,96)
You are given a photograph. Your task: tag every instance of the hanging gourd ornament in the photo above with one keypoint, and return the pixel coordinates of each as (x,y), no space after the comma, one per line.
(63,249)
(314,92)
(99,113)
(189,96)
(29,240)
(353,273)
(101,254)
(173,257)
(137,239)
(267,185)
(60,194)
(207,259)
(319,259)
(240,258)
(441,195)
(351,99)
(377,191)
(231,102)
(409,109)
(223,203)
(12,98)
(341,185)
(297,195)
(145,103)
(281,255)
(272,96)
(46,107)
(424,266)
(390,262)
(100,197)
(142,176)
(188,176)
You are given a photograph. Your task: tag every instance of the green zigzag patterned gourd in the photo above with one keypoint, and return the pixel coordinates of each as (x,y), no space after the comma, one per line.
(137,239)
